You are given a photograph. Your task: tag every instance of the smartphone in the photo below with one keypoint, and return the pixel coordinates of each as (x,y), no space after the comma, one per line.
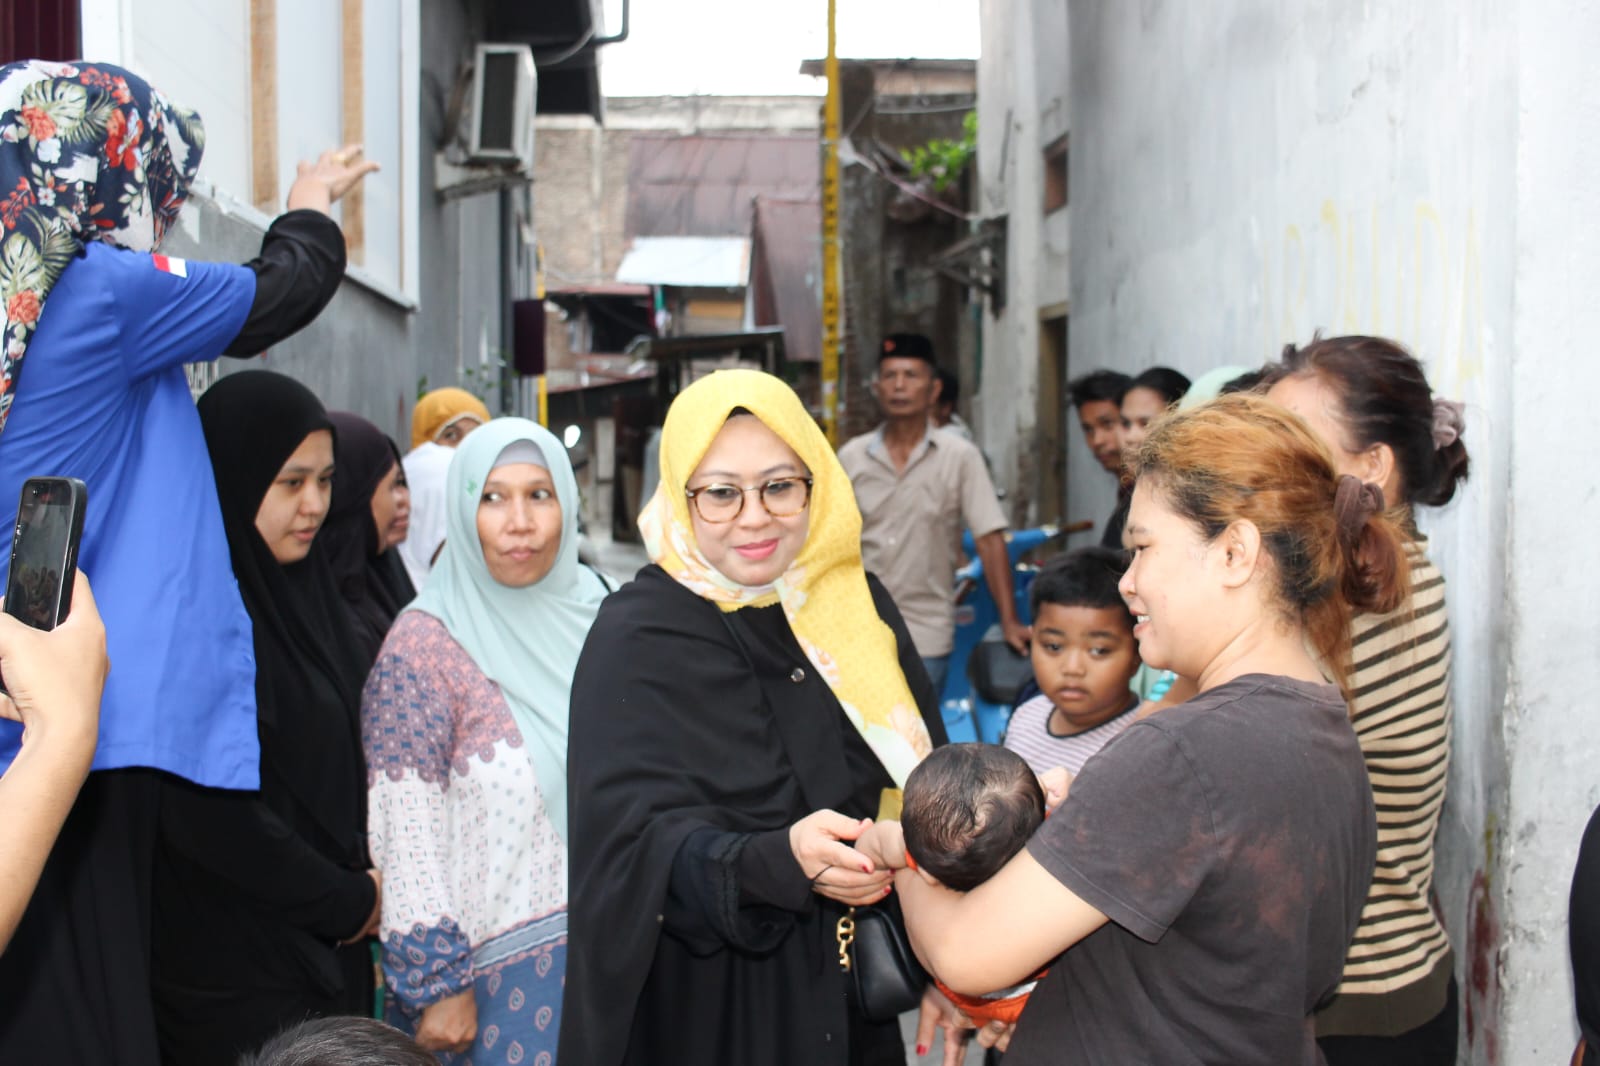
(44,550)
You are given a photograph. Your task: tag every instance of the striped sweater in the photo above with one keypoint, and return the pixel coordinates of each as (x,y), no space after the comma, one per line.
(1400,962)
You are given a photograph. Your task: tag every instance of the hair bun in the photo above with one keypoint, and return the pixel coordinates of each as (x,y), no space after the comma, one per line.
(1449,422)
(1354,503)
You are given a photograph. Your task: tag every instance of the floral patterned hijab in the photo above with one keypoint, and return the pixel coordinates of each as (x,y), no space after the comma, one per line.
(88,152)
(824,592)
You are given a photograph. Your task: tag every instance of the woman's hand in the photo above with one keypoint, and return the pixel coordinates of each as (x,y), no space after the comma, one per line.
(997,1035)
(938,1014)
(834,868)
(334,173)
(450,1024)
(56,678)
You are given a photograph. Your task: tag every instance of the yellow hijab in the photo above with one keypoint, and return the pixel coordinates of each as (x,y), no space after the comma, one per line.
(441,407)
(824,591)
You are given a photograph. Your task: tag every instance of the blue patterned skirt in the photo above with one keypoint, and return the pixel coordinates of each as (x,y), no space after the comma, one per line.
(517,985)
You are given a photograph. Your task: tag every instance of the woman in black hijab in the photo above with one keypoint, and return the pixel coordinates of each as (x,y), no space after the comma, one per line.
(263,899)
(370,576)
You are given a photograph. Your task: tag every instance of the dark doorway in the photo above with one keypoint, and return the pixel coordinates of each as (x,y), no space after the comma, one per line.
(39,29)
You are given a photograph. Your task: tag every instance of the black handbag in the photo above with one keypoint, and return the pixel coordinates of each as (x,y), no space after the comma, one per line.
(877,956)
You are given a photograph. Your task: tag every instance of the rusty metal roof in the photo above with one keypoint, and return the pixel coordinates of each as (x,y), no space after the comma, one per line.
(786,273)
(703,185)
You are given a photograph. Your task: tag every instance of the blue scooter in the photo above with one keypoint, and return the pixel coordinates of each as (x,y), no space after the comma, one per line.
(980,711)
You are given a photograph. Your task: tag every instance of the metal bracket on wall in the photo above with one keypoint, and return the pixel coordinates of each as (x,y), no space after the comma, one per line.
(978,261)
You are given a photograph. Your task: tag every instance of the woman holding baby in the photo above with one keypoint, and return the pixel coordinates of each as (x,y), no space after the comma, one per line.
(1209,867)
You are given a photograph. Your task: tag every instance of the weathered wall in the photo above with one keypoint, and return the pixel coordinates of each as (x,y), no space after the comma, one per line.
(1022,97)
(367,352)
(1244,173)
(1551,729)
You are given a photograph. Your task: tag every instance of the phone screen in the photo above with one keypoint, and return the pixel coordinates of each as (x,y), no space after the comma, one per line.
(41,555)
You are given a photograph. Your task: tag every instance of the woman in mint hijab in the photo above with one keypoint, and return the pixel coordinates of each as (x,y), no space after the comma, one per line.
(464,724)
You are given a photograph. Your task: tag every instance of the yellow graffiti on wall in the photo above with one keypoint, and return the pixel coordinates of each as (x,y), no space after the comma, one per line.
(1413,273)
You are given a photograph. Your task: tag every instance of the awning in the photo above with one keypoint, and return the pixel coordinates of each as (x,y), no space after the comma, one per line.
(687,262)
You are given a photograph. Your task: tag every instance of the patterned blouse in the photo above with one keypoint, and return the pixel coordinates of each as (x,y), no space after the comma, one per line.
(474,874)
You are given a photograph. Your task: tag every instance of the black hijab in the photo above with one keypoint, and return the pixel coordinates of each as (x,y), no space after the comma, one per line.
(309,671)
(372,582)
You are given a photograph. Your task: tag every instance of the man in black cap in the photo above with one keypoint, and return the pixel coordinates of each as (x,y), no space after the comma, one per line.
(917,485)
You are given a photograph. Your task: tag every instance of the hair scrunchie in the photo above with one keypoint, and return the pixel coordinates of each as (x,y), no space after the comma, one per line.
(1448,422)
(1354,503)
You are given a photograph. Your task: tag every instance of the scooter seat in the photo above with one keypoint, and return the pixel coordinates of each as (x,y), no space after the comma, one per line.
(997,673)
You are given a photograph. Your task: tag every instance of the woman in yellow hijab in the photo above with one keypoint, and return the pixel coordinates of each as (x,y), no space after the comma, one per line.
(439,423)
(738,713)
(445,416)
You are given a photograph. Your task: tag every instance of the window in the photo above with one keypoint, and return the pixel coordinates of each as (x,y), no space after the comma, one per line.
(278,81)
(1055,175)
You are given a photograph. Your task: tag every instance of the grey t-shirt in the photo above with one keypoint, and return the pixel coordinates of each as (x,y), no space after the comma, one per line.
(1231,842)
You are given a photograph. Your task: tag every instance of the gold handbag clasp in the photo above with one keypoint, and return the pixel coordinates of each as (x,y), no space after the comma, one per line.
(845,931)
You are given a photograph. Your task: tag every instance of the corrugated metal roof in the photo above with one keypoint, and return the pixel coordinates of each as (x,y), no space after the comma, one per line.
(688,262)
(786,273)
(704,185)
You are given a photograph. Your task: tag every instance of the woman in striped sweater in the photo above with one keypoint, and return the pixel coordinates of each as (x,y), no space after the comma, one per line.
(1370,402)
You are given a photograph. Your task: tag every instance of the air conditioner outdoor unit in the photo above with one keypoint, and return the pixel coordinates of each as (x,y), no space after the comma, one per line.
(504,83)
(489,143)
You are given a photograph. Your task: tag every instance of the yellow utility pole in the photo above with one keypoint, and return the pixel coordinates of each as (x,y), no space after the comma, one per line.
(542,383)
(832,337)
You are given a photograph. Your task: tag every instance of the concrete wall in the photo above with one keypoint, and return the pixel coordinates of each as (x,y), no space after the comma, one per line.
(1243,173)
(1022,107)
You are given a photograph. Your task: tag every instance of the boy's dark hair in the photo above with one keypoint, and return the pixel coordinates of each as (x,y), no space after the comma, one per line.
(1098,385)
(949,387)
(1164,381)
(907,346)
(968,809)
(340,1041)
(1083,577)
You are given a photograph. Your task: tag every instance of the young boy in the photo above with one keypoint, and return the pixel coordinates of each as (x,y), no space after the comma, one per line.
(968,809)
(1084,657)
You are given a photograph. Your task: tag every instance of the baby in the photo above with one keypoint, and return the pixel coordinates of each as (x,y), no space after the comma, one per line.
(968,809)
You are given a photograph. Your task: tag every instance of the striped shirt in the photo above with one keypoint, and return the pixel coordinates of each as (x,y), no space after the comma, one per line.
(1400,962)
(1028,734)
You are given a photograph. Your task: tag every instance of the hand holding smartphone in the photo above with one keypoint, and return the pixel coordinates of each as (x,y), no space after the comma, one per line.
(44,551)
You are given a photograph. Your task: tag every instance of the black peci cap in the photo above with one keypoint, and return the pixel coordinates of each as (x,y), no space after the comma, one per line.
(907,346)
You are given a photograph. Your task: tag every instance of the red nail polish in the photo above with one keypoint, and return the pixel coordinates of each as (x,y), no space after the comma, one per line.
(887,889)
(922,1049)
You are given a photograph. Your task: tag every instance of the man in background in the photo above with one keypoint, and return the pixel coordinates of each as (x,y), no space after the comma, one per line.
(1097,396)
(917,486)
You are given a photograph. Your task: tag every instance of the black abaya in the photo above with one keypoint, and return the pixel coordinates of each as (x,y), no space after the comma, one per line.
(373,583)
(697,739)
(253,891)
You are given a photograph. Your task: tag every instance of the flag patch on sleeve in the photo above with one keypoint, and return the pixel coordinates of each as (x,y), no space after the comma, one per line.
(171,264)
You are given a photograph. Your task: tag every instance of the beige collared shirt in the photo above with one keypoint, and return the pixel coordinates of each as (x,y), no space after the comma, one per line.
(911,523)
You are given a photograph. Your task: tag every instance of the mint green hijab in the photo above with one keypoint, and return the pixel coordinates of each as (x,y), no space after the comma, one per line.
(525,640)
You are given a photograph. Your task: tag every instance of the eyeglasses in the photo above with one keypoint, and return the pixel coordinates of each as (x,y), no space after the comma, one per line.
(783,497)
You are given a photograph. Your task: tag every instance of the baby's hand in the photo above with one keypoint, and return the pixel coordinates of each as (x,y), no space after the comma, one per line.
(884,844)
(1055,783)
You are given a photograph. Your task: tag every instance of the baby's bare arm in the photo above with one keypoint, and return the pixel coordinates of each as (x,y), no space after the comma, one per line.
(884,844)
